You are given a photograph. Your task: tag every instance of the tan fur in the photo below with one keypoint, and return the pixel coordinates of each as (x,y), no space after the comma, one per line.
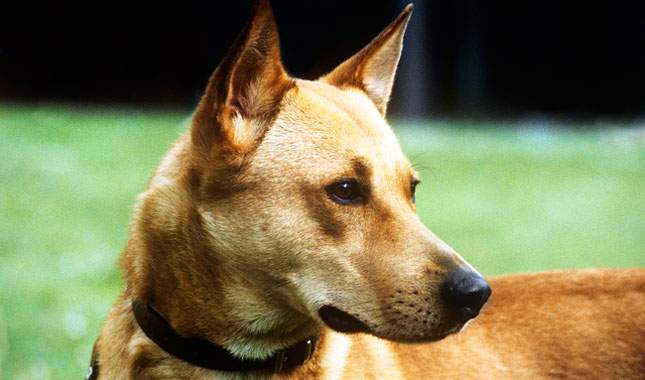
(236,241)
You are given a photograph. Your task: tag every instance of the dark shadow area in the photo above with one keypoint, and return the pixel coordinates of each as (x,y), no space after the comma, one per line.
(463,58)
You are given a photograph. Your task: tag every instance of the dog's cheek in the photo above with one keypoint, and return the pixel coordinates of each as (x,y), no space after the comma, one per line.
(324,216)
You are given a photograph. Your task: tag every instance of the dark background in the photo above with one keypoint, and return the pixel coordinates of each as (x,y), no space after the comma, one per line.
(461,58)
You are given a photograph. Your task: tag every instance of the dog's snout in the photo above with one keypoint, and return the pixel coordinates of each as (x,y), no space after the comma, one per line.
(467,291)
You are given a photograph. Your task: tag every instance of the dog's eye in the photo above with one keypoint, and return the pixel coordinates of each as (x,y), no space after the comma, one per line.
(413,189)
(346,192)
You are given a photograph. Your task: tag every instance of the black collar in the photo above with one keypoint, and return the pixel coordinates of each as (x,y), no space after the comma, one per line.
(208,355)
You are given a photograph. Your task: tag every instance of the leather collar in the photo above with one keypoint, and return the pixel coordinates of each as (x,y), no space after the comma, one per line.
(205,354)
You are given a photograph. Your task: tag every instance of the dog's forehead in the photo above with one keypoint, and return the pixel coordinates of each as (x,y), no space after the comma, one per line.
(338,124)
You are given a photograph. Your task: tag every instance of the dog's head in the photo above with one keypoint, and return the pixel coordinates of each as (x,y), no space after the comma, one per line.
(290,205)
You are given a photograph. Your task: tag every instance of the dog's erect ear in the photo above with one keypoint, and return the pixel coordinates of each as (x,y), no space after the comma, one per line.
(246,88)
(372,69)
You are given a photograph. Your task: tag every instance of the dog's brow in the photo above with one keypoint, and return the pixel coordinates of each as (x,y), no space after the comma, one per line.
(413,170)
(361,168)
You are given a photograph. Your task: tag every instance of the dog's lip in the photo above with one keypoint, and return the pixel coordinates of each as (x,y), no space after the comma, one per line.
(342,321)
(421,339)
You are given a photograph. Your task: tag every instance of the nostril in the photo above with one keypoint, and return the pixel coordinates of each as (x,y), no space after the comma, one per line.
(467,291)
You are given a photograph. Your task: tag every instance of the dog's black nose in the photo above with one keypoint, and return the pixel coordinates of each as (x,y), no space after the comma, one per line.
(467,291)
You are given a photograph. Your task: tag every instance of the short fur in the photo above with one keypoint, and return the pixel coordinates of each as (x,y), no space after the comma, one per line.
(236,240)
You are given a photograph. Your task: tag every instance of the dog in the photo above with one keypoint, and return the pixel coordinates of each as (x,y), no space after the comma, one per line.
(278,239)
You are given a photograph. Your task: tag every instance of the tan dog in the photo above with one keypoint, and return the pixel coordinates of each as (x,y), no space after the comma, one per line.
(279,239)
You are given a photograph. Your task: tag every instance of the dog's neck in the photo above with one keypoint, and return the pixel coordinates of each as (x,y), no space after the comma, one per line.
(209,355)
(251,328)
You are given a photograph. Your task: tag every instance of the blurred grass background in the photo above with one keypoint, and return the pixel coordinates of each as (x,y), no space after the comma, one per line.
(510,198)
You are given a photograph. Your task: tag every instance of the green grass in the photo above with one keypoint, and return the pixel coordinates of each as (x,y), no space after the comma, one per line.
(527,199)
(507,198)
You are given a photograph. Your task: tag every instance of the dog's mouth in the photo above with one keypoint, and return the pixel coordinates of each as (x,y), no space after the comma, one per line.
(341,321)
(403,330)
